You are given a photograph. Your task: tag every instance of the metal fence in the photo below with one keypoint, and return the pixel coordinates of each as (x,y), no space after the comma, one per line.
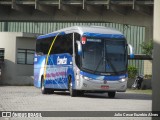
(135,34)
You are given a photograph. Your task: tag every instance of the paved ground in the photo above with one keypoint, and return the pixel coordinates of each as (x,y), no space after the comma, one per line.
(28,98)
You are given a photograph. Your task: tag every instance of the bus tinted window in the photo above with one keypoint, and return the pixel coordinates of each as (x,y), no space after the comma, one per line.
(42,46)
(63,44)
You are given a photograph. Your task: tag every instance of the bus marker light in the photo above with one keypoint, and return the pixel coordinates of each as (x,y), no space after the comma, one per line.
(84,40)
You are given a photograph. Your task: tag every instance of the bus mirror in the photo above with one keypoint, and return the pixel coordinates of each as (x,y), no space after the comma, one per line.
(79,47)
(131,51)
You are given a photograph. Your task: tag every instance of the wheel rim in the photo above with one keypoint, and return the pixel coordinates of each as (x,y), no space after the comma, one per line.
(42,85)
(70,88)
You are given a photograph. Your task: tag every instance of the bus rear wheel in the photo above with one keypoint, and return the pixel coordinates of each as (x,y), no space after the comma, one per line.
(72,92)
(45,90)
(111,94)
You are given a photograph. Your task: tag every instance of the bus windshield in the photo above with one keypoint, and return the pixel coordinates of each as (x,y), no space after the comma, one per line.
(104,56)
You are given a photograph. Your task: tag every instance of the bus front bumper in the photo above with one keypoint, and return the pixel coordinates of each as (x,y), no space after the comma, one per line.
(102,85)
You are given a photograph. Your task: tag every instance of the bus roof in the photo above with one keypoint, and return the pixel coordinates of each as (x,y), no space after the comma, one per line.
(96,31)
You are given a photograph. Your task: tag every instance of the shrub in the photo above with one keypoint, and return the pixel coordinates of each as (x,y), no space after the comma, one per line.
(132,71)
(147,47)
(148,76)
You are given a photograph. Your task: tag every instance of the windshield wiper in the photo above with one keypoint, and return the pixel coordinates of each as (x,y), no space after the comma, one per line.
(112,66)
(98,64)
(109,62)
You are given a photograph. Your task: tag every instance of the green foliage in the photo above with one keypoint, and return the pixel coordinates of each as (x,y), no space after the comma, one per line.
(147,47)
(132,71)
(147,91)
(148,76)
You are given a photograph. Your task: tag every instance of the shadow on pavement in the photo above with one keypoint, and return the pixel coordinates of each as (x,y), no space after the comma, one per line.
(128,96)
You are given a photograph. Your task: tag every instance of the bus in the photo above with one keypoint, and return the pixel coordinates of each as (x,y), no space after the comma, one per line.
(82,59)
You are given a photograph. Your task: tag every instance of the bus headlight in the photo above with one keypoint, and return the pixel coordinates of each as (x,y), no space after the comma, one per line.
(77,77)
(86,78)
(123,80)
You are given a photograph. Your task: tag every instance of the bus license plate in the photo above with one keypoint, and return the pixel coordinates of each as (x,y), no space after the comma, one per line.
(104,87)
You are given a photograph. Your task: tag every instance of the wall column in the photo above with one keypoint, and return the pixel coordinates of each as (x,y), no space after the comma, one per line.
(156,59)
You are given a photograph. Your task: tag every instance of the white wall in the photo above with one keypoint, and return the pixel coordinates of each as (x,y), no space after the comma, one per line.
(8,42)
(13,73)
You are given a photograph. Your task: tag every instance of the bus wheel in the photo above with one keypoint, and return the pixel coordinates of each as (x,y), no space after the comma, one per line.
(111,94)
(80,93)
(72,92)
(49,91)
(43,89)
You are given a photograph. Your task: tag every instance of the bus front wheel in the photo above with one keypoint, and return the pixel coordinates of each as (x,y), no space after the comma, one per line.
(111,94)
(72,92)
(80,93)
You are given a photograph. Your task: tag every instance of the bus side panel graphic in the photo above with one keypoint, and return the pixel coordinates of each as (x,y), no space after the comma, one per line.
(58,68)
(39,63)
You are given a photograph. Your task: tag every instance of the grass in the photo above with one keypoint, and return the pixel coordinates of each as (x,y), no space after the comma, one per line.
(147,91)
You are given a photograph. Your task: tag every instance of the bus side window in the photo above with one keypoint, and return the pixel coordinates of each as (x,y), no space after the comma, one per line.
(69,43)
(43,45)
(63,44)
(39,48)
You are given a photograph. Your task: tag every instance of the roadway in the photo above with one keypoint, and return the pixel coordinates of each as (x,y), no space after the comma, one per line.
(29,98)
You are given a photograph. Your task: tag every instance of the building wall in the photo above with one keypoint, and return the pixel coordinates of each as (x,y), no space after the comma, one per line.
(24,74)
(148,67)
(13,73)
(8,41)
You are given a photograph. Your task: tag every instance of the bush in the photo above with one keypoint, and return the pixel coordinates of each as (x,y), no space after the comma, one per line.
(148,76)
(147,47)
(132,71)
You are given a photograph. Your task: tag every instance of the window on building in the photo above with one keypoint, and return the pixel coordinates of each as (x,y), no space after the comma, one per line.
(25,56)
(1,55)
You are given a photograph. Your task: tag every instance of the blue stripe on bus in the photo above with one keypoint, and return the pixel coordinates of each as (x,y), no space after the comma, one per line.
(49,35)
(87,34)
(103,77)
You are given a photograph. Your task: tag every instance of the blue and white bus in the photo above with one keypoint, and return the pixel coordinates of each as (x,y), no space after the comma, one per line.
(82,59)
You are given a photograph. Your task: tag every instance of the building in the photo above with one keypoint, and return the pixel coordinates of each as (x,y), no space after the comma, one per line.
(134,18)
(18,51)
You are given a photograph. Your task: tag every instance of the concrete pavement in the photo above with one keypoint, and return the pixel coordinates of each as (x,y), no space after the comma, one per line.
(29,98)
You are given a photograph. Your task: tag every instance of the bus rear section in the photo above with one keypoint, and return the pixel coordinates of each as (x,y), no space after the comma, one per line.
(51,70)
